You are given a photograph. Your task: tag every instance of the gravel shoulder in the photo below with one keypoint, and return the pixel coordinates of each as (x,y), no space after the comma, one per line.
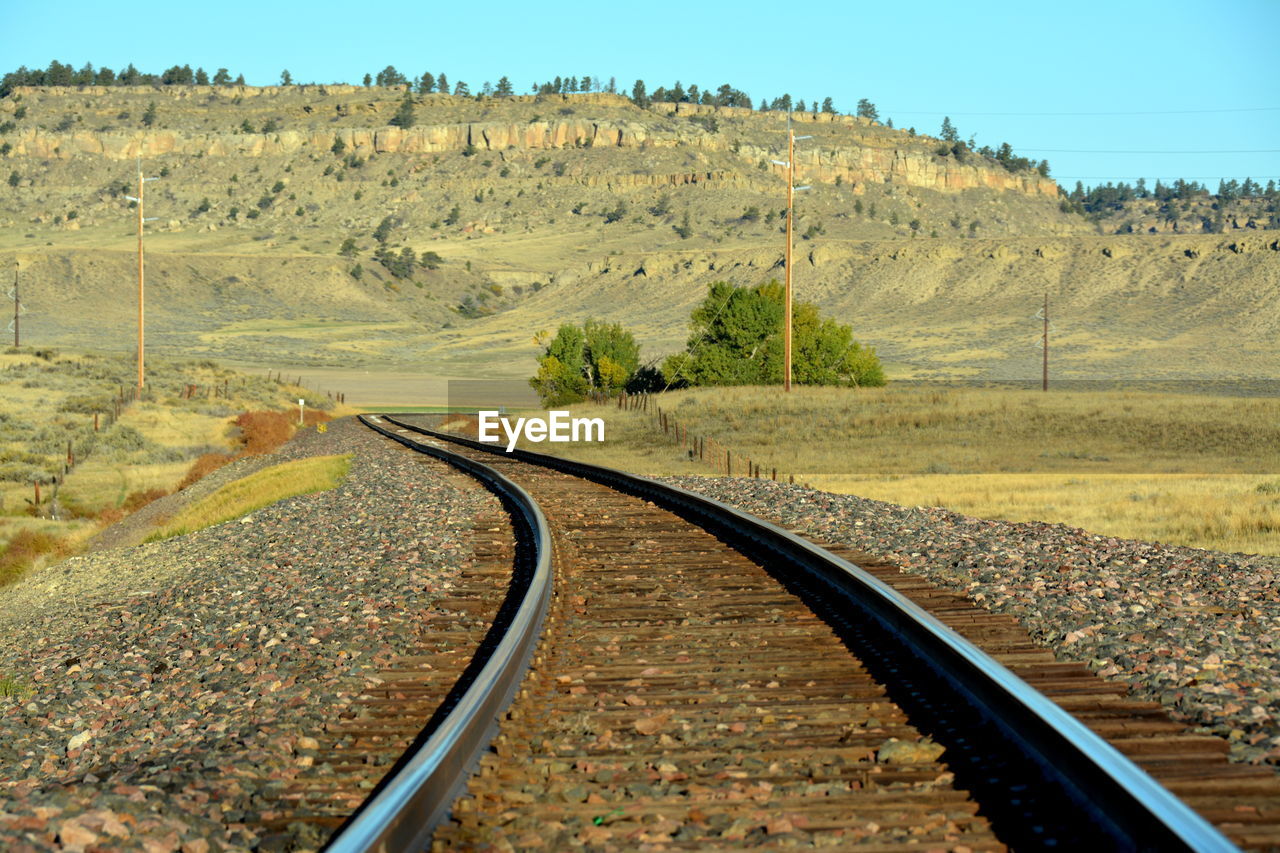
(163,688)
(1196,630)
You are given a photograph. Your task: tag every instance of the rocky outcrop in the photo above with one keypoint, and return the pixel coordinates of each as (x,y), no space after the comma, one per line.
(859,152)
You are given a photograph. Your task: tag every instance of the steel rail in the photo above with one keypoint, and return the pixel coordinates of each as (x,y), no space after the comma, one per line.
(1103,785)
(404,810)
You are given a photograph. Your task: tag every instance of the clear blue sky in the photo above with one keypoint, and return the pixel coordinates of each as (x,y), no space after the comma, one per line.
(1060,81)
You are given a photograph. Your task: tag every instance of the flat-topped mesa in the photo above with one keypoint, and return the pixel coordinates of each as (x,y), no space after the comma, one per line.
(855,164)
(848,149)
(319,90)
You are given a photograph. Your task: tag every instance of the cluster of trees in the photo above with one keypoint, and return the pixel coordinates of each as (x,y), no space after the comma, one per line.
(570,85)
(1003,155)
(402,263)
(736,338)
(1109,196)
(430,83)
(725,96)
(59,74)
(594,358)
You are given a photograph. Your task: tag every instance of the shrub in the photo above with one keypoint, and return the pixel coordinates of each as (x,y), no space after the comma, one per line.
(22,552)
(203,466)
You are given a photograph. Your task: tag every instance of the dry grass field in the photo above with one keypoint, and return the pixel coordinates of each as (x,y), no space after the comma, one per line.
(1188,469)
(48,399)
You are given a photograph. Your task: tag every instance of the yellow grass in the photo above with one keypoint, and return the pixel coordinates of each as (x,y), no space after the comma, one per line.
(1180,468)
(1229,512)
(97,484)
(176,427)
(251,493)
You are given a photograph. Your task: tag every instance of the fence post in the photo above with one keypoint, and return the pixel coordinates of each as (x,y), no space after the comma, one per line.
(95,421)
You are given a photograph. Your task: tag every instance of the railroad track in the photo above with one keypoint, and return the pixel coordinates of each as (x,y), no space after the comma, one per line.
(703,680)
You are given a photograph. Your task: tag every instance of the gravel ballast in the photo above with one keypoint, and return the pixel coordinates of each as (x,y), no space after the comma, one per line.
(1196,630)
(163,689)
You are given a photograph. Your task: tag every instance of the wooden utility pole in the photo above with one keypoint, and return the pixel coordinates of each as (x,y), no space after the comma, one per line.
(17,308)
(791,191)
(141,309)
(1044,386)
(786,322)
(141,182)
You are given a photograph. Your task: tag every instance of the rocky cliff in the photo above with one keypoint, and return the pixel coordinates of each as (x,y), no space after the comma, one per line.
(844,148)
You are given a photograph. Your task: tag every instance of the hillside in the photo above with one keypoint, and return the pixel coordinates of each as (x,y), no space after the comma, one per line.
(557,207)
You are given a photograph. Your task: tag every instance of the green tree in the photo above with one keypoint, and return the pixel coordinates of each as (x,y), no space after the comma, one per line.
(828,106)
(389,76)
(404,116)
(561,376)
(442,84)
(221,77)
(202,77)
(736,339)
(14,179)
(868,110)
(949,132)
(504,89)
(383,231)
(825,352)
(599,357)
(149,117)
(612,356)
(426,83)
(368,81)
(616,214)
(639,95)
(286,79)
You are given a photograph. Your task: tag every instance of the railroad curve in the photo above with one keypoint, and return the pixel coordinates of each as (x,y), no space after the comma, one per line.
(708,679)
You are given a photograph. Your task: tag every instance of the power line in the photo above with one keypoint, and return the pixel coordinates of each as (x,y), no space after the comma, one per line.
(1122,113)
